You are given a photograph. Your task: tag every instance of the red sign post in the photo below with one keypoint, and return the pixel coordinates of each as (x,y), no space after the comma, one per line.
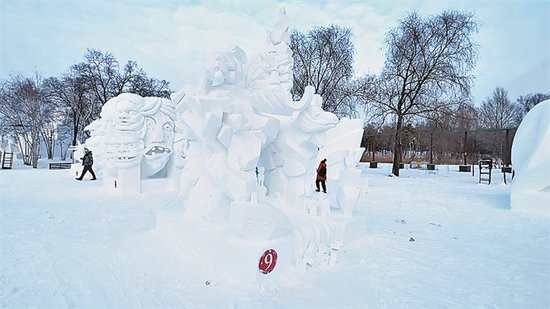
(268,261)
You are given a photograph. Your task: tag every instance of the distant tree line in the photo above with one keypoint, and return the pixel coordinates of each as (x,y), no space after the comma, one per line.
(424,87)
(53,111)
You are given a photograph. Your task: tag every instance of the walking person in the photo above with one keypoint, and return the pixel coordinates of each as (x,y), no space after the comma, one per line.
(87,162)
(322,176)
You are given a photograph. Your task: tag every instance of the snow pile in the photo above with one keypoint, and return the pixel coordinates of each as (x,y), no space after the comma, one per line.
(530,153)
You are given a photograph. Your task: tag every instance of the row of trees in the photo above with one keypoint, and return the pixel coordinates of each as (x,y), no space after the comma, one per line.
(425,82)
(38,110)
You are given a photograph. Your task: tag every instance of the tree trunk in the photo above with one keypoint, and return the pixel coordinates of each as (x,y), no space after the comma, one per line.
(398,148)
(75,133)
(48,142)
(62,153)
(35,150)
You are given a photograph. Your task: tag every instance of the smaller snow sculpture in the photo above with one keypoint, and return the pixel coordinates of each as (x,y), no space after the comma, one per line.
(530,191)
(133,140)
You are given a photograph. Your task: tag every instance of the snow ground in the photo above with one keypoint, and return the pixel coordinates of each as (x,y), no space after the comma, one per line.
(65,243)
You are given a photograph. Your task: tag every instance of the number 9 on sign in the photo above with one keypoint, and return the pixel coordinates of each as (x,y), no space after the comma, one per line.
(268,261)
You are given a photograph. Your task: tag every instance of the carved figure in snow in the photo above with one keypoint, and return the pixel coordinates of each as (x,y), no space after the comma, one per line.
(299,140)
(224,73)
(134,131)
(159,116)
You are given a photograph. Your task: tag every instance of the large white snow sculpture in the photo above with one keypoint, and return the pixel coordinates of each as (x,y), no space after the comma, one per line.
(530,191)
(243,156)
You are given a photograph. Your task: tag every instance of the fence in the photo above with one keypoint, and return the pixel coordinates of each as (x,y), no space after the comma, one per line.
(442,147)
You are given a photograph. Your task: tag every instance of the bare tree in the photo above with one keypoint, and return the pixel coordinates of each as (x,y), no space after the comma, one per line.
(529,101)
(323,58)
(148,87)
(104,77)
(100,74)
(426,71)
(463,116)
(74,101)
(87,86)
(498,111)
(26,110)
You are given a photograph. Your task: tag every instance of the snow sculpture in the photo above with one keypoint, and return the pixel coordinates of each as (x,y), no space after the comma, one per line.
(530,191)
(243,156)
(133,140)
(342,154)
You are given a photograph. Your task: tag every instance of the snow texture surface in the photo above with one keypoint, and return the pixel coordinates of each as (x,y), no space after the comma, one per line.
(65,243)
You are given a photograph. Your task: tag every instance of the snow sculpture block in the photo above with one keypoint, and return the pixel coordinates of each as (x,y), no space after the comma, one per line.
(126,181)
(244,160)
(347,198)
(225,135)
(342,152)
(239,187)
(530,190)
(257,222)
(212,125)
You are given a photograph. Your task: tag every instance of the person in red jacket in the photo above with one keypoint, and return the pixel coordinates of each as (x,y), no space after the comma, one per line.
(322,176)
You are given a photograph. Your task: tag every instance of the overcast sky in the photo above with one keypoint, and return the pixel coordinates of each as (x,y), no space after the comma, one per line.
(172,39)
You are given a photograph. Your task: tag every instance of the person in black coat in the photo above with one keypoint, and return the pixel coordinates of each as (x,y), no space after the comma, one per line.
(87,162)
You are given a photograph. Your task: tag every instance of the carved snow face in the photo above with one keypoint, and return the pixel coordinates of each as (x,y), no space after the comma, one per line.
(124,149)
(224,71)
(124,127)
(159,140)
(220,70)
(138,131)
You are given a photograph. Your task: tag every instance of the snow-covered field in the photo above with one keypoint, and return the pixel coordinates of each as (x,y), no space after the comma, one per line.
(65,243)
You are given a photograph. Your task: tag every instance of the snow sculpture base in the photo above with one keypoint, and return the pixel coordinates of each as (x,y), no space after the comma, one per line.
(126,180)
(232,253)
(224,256)
(253,221)
(536,203)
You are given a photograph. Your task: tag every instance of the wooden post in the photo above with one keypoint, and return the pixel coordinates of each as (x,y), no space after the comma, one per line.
(465,147)
(431,147)
(507,156)
(373,147)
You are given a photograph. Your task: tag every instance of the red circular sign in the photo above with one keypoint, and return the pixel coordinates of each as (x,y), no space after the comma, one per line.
(268,261)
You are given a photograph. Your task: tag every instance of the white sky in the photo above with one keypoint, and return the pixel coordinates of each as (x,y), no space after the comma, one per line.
(172,39)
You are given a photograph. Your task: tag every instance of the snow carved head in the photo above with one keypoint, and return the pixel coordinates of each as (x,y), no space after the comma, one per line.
(138,131)
(225,72)
(159,116)
(123,135)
